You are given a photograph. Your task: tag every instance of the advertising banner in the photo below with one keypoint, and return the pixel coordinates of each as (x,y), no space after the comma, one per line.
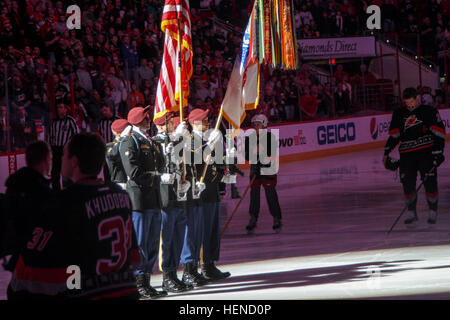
(326,48)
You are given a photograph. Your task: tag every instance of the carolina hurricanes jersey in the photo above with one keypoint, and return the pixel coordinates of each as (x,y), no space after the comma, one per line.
(86,226)
(419,129)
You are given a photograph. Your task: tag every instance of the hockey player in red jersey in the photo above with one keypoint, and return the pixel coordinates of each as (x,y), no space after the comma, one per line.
(421,134)
(84,245)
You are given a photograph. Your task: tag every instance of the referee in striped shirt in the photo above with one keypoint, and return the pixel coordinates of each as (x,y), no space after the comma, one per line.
(104,129)
(104,126)
(63,127)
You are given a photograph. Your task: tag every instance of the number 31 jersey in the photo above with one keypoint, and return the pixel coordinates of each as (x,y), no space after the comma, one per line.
(83,247)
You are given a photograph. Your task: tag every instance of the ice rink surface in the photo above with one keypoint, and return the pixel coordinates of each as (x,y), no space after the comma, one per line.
(333,245)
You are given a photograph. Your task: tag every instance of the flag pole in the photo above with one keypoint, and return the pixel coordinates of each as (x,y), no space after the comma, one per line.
(219,120)
(181,96)
(180,76)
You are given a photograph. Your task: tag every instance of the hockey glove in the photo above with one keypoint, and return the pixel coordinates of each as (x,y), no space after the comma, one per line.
(392,164)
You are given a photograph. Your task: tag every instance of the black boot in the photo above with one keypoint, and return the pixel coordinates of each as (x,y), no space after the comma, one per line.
(142,287)
(252,223)
(154,294)
(192,277)
(171,283)
(234,192)
(210,272)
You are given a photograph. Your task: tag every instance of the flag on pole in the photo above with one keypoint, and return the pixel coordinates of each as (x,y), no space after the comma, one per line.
(176,24)
(243,87)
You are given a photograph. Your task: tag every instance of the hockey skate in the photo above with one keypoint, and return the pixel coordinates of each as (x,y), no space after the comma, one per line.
(277,225)
(234,192)
(432,217)
(251,224)
(411,219)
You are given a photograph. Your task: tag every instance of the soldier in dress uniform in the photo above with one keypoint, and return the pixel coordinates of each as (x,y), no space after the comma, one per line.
(173,213)
(210,197)
(113,160)
(190,255)
(142,158)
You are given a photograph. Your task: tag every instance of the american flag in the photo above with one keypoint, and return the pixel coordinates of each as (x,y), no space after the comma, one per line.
(175,13)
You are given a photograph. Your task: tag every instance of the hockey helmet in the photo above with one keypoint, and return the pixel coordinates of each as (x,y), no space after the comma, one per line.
(260,118)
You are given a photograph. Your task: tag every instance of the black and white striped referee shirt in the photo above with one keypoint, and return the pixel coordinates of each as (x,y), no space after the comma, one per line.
(104,126)
(61,130)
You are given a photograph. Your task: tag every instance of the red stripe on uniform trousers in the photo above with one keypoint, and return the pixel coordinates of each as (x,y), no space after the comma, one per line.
(48,275)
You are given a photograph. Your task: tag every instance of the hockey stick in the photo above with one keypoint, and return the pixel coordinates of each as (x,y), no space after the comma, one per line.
(406,206)
(237,206)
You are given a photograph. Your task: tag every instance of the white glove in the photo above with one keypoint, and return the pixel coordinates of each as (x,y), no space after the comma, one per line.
(214,137)
(229,179)
(167,178)
(182,130)
(231,153)
(183,187)
(199,187)
(169,148)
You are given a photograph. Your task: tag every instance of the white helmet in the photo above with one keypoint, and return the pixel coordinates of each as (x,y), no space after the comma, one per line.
(260,118)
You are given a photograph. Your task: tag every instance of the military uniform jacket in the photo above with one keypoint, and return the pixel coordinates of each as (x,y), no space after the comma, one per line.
(168,192)
(114,162)
(214,171)
(419,130)
(142,159)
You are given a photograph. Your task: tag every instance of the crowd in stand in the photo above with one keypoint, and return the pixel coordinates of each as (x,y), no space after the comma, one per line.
(114,59)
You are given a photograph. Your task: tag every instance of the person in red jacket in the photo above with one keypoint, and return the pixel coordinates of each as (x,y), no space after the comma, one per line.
(308,105)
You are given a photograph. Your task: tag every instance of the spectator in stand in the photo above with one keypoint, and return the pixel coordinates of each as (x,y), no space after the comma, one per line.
(136,97)
(389,15)
(347,86)
(427,38)
(145,71)
(364,77)
(308,105)
(340,73)
(23,129)
(324,99)
(129,54)
(202,90)
(341,99)
(20,97)
(84,78)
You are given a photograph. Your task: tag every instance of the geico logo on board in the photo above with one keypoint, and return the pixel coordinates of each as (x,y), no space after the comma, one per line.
(336,133)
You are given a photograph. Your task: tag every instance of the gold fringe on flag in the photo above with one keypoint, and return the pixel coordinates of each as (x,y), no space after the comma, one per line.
(277,41)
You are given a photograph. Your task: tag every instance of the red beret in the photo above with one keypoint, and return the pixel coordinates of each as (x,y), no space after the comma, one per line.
(162,120)
(119,125)
(137,115)
(198,115)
